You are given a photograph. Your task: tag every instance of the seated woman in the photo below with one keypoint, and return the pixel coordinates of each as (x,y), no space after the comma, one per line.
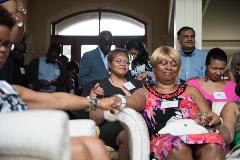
(213,86)
(231,128)
(168,101)
(18,99)
(112,133)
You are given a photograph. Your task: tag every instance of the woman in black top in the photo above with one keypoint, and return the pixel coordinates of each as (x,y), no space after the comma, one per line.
(112,133)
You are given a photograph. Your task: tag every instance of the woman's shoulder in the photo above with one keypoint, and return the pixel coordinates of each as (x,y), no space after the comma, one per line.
(191,89)
(105,83)
(193,82)
(230,84)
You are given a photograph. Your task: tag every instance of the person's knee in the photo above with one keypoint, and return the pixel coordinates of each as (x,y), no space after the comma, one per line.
(95,147)
(79,149)
(210,150)
(182,151)
(122,138)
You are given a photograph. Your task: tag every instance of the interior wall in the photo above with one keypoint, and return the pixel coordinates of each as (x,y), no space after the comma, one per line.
(41,14)
(221,26)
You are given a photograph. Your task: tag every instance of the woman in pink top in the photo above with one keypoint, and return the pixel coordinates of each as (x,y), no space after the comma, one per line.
(213,86)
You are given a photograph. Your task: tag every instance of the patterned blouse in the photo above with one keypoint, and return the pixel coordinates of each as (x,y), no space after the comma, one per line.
(9,99)
(158,111)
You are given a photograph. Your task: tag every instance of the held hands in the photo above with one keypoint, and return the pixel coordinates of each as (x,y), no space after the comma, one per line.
(111,103)
(208,119)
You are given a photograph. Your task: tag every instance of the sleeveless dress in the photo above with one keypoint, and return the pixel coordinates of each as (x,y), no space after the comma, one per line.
(9,99)
(229,90)
(157,116)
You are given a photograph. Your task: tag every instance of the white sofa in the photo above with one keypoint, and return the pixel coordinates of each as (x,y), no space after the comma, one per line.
(133,122)
(39,135)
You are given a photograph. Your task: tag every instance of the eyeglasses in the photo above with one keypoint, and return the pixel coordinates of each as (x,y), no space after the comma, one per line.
(118,61)
(8,45)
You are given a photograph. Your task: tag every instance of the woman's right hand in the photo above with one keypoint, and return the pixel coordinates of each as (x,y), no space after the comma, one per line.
(201,119)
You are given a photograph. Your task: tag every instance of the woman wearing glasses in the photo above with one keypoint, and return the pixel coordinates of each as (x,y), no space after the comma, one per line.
(118,82)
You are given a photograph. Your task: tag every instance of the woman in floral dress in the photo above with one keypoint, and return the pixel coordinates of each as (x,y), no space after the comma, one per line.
(168,100)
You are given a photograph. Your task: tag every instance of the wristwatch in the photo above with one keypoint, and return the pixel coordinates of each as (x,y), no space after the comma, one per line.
(22,10)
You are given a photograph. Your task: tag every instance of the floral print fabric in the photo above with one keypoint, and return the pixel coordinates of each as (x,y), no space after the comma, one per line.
(156,117)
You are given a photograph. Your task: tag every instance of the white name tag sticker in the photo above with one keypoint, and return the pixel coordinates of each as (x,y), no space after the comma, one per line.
(129,86)
(57,72)
(7,88)
(219,95)
(22,70)
(169,104)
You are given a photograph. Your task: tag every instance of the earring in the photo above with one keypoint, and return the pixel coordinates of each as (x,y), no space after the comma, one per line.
(206,77)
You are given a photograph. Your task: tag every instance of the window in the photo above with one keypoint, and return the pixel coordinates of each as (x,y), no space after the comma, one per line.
(78,32)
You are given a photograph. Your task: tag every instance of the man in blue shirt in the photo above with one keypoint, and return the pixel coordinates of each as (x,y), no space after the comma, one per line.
(46,73)
(192,59)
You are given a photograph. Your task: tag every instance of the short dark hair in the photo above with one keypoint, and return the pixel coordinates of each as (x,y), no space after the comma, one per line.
(116,51)
(217,54)
(185,28)
(6,18)
(103,34)
(55,48)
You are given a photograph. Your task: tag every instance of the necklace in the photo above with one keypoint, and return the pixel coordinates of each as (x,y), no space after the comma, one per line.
(180,90)
(117,84)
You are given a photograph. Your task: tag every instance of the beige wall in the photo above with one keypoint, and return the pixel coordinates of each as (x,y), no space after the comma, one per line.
(220,21)
(221,26)
(41,13)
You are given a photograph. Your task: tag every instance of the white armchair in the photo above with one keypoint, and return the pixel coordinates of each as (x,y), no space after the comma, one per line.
(38,135)
(133,122)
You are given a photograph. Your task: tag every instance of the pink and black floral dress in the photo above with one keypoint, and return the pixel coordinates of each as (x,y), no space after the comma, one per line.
(156,117)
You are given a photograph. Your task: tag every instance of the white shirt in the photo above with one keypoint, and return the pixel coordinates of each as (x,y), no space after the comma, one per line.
(104,58)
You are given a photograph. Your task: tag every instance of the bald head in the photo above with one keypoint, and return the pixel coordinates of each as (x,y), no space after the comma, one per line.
(105,41)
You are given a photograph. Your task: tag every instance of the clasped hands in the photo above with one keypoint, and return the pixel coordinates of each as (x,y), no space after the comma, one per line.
(207,119)
(112,103)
